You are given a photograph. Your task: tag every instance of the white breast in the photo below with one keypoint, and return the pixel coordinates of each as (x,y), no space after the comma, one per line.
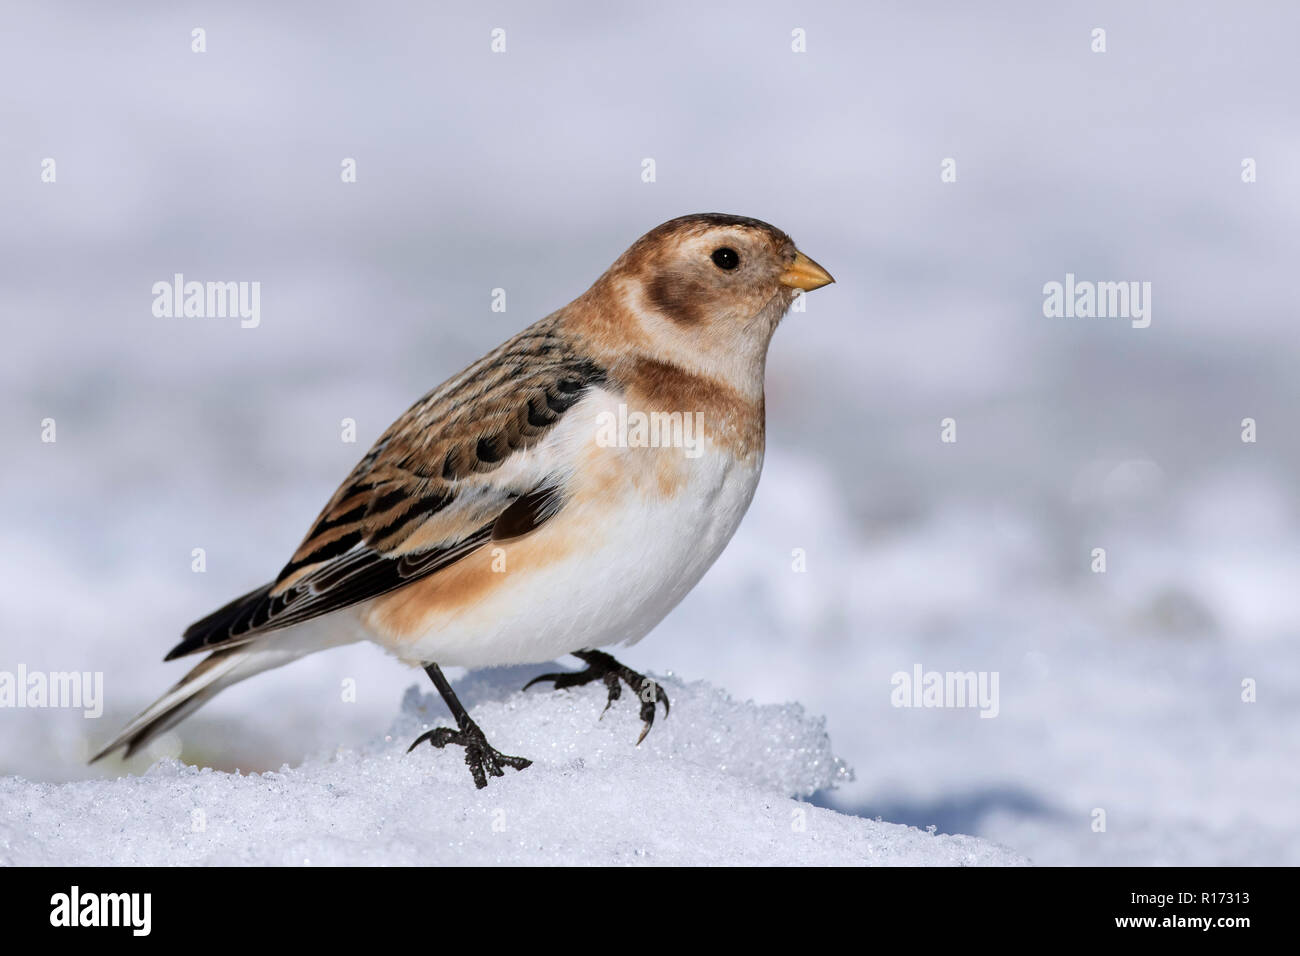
(639,529)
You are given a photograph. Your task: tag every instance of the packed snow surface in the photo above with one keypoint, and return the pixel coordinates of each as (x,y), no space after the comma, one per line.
(718,782)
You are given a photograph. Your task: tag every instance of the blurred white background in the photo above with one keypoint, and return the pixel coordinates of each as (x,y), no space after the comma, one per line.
(522,170)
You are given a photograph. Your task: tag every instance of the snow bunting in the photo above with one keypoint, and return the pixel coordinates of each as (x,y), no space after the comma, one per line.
(561,494)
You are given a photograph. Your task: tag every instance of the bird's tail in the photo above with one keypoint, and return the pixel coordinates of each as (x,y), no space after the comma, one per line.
(213,674)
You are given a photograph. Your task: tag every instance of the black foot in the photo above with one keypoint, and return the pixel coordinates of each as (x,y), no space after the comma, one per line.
(600,666)
(480,756)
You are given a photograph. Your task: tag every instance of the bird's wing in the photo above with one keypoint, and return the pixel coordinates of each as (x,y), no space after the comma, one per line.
(465,465)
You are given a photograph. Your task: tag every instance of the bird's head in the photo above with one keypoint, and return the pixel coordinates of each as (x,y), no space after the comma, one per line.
(709,289)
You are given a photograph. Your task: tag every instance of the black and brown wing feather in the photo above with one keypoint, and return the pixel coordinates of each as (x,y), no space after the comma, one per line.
(423,497)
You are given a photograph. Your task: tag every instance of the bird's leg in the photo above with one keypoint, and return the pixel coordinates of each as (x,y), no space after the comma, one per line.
(603,667)
(481,757)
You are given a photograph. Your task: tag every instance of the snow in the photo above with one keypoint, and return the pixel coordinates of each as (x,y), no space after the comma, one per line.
(1120,691)
(717,782)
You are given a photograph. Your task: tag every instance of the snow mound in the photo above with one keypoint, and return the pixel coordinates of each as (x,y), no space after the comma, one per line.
(714,783)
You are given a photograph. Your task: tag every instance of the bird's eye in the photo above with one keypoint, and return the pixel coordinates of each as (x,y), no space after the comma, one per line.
(726,258)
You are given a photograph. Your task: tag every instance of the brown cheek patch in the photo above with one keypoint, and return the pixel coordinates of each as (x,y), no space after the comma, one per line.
(677,298)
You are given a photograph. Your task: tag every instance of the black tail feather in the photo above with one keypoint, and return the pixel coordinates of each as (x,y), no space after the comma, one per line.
(221,625)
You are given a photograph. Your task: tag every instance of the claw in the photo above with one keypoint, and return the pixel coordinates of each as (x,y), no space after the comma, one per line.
(554,677)
(648,706)
(603,667)
(480,756)
(438,737)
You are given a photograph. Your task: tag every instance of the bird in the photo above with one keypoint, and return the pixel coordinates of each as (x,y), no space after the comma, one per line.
(560,495)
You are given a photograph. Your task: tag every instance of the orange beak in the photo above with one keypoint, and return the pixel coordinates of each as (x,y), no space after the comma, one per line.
(805,274)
